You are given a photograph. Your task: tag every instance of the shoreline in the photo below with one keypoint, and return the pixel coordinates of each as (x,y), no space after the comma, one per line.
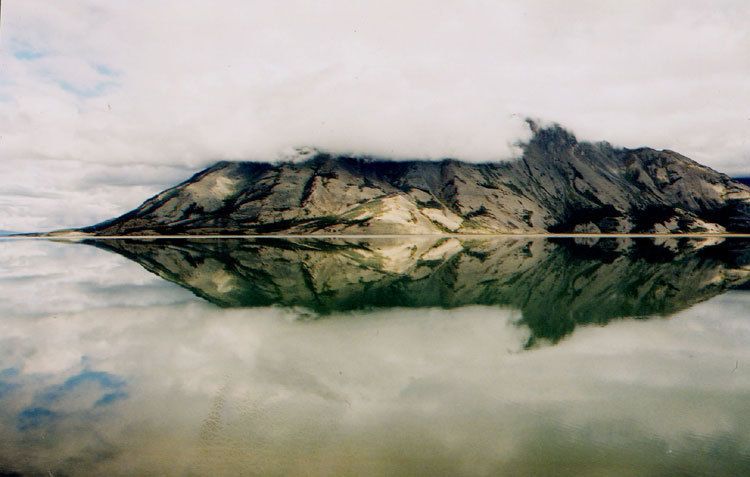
(79,237)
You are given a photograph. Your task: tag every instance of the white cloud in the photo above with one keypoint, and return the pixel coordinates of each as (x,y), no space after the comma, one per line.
(53,194)
(184,83)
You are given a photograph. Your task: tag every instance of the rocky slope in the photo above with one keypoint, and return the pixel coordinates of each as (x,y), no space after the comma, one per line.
(556,284)
(558,185)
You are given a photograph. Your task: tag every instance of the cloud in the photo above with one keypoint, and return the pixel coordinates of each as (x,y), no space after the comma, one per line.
(185,83)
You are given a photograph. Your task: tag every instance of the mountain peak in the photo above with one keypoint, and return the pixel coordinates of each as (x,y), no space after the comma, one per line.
(553,134)
(558,185)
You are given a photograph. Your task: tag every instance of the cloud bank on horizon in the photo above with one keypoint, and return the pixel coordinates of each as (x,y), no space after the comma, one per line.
(105,103)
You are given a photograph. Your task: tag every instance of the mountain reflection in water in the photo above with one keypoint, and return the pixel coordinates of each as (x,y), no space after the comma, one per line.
(556,284)
(418,367)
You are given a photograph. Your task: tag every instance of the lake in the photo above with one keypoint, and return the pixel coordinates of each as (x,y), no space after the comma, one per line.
(380,356)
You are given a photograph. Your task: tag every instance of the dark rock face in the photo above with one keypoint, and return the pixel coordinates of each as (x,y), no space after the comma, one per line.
(558,185)
(555,284)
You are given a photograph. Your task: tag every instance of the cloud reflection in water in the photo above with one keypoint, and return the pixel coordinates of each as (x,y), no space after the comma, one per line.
(381,390)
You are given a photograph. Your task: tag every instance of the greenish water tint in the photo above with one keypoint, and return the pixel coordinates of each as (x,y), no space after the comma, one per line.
(389,356)
(555,284)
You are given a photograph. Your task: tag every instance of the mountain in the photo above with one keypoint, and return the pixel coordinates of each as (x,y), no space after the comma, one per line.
(558,185)
(555,284)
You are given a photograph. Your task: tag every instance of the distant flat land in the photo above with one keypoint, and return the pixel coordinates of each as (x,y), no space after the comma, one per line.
(79,236)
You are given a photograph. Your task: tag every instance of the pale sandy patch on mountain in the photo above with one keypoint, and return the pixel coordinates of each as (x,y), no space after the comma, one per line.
(213,186)
(445,218)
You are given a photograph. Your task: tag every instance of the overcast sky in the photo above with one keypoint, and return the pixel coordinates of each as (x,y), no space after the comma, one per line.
(104,103)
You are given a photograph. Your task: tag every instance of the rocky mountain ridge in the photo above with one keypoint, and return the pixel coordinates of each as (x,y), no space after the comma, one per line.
(558,185)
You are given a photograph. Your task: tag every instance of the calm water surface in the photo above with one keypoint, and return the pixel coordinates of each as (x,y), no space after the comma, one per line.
(375,357)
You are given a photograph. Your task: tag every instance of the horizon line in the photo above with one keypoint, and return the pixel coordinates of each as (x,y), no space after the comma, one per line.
(77,237)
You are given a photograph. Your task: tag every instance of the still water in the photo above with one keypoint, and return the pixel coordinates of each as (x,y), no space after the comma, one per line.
(411,356)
